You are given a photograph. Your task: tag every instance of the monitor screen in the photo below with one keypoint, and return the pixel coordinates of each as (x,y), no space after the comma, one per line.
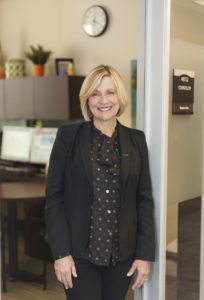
(41,146)
(16,143)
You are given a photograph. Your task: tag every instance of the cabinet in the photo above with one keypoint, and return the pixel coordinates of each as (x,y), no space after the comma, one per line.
(48,98)
(19,98)
(51,98)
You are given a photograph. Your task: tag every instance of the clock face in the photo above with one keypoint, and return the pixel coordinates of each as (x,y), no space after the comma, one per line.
(95,21)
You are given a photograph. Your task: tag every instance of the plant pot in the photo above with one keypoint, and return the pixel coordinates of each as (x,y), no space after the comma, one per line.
(39,70)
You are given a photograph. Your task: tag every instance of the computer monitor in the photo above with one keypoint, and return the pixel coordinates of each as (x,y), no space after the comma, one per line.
(16,141)
(41,145)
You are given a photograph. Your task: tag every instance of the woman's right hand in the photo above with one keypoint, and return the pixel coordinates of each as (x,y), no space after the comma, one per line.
(64,269)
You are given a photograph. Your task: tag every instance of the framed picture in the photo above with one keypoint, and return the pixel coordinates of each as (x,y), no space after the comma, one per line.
(62,65)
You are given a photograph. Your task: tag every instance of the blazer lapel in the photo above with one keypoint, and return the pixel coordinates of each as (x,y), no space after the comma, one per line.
(125,156)
(85,141)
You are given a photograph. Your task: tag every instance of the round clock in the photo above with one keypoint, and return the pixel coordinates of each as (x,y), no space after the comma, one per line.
(95,21)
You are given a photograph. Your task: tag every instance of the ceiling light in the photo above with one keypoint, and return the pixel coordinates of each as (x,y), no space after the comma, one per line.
(200,2)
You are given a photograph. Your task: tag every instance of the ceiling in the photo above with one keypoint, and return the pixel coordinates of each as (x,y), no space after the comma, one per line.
(190,5)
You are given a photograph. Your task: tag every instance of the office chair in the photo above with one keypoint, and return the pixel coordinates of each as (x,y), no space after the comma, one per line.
(3,258)
(34,232)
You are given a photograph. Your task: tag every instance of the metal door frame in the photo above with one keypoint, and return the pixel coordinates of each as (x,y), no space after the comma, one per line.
(152,117)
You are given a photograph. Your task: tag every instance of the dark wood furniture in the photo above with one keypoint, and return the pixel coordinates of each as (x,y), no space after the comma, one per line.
(12,176)
(11,193)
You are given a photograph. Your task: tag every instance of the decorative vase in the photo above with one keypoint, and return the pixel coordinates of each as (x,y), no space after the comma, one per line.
(15,68)
(39,70)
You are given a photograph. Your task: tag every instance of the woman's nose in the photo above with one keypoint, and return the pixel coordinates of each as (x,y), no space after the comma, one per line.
(104,98)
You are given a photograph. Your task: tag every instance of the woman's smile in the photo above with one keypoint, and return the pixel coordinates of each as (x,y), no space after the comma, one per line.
(104,109)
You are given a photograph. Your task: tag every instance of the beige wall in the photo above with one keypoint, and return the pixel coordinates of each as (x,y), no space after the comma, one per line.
(56,24)
(186,131)
(172,223)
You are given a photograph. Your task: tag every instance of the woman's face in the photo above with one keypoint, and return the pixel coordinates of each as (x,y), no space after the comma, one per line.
(104,103)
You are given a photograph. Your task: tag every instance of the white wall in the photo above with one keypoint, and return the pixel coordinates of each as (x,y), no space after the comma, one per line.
(56,24)
(186,131)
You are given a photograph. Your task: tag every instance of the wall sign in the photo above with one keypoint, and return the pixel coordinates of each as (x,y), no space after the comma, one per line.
(183,91)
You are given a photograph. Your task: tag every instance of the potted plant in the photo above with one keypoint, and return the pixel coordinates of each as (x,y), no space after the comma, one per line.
(39,57)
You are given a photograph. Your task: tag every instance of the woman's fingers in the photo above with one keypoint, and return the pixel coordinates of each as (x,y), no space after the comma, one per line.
(58,274)
(69,280)
(132,269)
(143,269)
(65,280)
(139,281)
(74,273)
(64,269)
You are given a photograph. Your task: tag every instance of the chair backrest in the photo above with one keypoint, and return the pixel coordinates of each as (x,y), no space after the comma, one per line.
(34,230)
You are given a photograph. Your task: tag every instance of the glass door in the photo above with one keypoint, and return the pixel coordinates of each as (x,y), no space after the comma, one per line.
(185,156)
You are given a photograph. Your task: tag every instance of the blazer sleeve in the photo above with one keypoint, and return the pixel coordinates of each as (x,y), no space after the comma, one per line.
(145,249)
(57,227)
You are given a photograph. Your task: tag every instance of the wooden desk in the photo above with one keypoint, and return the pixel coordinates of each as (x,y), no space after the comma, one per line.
(11,193)
(13,177)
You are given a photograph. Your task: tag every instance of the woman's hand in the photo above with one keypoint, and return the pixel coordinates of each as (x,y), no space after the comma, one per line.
(64,269)
(143,269)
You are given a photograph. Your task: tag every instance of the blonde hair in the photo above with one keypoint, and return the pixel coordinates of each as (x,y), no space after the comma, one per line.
(91,83)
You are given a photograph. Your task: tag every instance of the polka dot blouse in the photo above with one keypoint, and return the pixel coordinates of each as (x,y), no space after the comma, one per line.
(103,246)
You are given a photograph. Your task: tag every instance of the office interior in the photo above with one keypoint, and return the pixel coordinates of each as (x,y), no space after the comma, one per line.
(58,28)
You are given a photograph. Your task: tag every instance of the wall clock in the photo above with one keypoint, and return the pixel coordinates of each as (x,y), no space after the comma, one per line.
(95,21)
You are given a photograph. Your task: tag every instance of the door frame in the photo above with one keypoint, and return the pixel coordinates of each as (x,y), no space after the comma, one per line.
(152,118)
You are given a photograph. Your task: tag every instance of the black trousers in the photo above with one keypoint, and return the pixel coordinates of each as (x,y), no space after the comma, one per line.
(100,282)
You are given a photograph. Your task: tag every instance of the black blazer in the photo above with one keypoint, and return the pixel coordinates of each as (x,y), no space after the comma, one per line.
(69,193)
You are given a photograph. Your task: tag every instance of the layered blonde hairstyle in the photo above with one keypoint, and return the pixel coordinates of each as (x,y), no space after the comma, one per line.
(91,83)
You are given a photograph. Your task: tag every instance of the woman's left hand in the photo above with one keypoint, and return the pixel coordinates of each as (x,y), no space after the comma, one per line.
(143,269)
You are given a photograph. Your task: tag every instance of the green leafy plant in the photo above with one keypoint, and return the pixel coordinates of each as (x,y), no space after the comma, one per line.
(38,55)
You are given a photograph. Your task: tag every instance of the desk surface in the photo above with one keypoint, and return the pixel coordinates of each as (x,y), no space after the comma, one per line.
(12,191)
(10,173)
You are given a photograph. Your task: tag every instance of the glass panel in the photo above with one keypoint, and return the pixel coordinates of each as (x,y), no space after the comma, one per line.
(185,157)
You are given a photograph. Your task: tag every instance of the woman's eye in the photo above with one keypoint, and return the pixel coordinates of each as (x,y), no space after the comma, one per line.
(110,92)
(94,94)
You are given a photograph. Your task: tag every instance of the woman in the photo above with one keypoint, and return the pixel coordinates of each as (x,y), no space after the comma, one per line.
(99,208)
